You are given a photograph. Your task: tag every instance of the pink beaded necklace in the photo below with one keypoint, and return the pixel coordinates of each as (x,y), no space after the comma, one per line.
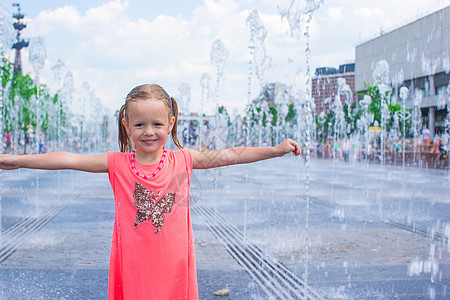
(133,159)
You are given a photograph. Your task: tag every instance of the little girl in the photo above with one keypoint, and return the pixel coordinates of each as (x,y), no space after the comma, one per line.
(152,253)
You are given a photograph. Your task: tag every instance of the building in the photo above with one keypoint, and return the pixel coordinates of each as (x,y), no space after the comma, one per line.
(325,85)
(418,55)
(272,93)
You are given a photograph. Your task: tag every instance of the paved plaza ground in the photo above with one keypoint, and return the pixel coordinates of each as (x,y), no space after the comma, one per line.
(358,231)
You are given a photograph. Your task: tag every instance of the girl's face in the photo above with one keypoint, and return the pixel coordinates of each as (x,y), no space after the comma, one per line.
(148,124)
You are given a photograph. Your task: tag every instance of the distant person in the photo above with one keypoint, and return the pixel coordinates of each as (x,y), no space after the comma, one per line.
(193,136)
(421,144)
(346,149)
(7,139)
(436,144)
(443,157)
(426,137)
(152,253)
(190,135)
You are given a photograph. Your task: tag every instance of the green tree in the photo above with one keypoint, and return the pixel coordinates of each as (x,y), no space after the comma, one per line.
(375,107)
(18,113)
(20,108)
(325,124)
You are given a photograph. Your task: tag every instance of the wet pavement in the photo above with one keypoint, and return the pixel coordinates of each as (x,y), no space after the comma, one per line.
(361,232)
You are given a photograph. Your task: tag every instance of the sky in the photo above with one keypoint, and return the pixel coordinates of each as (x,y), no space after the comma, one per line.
(115,45)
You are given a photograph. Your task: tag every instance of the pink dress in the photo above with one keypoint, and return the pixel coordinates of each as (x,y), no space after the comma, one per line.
(152,253)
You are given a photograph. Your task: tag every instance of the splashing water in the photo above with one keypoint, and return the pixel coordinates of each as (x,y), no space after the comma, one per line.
(6,41)
(259,62)
(404,115)
(57,67)
(297,17)
(184,97)
(219,55)
(37,56)
(256,46)
(416,120)
(205,81)
(57,72)
(7,35)
(381,80)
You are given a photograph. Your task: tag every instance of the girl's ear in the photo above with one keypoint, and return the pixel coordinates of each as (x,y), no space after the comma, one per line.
(127,128)
(171,123)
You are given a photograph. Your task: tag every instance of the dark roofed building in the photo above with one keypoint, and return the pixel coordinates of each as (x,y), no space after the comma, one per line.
(324,86)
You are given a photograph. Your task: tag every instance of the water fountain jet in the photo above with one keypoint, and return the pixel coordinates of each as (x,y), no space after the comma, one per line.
(294,15)
(6,41)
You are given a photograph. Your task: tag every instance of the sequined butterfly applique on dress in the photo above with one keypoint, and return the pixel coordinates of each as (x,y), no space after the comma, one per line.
(150,208)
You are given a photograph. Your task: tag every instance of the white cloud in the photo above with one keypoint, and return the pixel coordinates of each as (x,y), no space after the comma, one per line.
(114,52)
(62,18)
(335,13)
(368,13)
(105,13)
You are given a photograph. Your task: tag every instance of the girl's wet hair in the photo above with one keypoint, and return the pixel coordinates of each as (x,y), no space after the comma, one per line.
(147,92)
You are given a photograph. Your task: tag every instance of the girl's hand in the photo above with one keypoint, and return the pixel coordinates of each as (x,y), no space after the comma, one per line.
(289,146)
(8,162)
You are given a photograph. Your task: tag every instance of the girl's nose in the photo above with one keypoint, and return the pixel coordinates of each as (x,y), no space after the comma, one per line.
(149,130)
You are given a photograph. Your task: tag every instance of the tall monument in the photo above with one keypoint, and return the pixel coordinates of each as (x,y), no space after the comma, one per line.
(20,43)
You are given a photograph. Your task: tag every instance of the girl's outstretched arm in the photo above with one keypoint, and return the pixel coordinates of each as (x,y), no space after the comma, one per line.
(241,155)
(56,161)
